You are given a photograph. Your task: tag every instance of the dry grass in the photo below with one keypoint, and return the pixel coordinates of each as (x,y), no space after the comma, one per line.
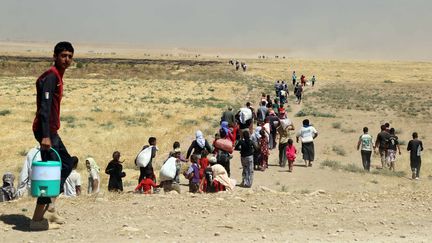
(117,104)
(110,106)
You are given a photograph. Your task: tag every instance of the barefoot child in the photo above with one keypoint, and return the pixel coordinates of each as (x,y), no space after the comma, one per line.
(291,152)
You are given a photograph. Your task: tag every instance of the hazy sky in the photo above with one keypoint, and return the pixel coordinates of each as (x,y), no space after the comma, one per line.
(400,29)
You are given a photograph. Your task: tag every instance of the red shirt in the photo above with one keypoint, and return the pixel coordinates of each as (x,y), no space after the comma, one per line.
(146,184)
(49,93)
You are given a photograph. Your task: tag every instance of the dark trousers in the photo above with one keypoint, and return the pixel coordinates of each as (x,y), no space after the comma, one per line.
(146,171)
(66,169)
(226,165)
(142,174)
(282,154)
(415,164)
(366,159)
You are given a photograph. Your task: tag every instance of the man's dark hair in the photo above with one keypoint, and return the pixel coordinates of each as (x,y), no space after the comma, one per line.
(74,160)
(175,145)
(246,135)
(387,125)
(152,140)
(383,127)
(248,104)
(365,129)
(222,133)
(392,130)
(415,135)
(63,46)
(148,174)
(306,122)
(263,103)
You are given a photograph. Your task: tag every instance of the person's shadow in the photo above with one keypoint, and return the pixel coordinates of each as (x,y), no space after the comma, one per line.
(20,222)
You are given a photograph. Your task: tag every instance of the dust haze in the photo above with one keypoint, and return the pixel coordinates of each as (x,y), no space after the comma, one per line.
(387,29)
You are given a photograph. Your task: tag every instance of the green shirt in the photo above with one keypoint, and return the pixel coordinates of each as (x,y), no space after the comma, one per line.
(366,142)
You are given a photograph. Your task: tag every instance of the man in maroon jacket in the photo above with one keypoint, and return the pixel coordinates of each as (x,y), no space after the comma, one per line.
(49,88)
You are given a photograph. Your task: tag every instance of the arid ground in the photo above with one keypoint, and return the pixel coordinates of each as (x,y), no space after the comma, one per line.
(115,102)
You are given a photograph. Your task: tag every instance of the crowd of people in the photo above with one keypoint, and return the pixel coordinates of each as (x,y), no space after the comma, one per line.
(253,133)
(237,64)
(387,147)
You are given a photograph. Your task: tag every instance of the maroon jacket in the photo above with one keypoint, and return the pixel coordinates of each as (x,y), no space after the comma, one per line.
(49,92)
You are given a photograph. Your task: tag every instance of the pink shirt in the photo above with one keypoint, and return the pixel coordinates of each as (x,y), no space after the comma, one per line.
(291,152)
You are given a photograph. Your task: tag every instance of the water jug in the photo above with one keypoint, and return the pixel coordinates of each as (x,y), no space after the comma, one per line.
(45,177)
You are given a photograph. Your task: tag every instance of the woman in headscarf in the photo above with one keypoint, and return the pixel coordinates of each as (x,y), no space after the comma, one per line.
(224,147)
(198,145)
(93,178)
(220,175)
(228,132)
(7,192)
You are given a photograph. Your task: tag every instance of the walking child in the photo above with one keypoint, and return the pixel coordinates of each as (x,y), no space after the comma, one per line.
(192,174)
(291,152)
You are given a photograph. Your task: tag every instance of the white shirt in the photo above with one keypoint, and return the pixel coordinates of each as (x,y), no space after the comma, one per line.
(306,134)
(25,180)
(94,175)
(71,183)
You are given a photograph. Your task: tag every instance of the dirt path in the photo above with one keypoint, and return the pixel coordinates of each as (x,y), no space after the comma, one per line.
(311,204)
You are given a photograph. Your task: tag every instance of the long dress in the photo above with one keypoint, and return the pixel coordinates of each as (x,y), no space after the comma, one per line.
(264,152)
(115,170)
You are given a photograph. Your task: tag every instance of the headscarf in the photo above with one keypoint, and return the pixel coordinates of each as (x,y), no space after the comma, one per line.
(224,126)
(200,139)
(256,135)
(221,175)
(93,165)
